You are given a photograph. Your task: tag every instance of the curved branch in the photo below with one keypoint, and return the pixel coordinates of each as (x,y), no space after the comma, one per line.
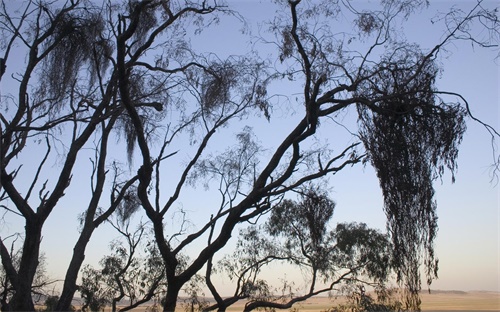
(491,130)
(252,305)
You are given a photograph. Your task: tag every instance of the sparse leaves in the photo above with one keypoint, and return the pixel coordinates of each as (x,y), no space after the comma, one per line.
(367,22)
(297,233)
(126,273)
(235,168)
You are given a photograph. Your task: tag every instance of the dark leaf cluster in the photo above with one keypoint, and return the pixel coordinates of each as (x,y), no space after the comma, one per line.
(128,205)
(217,84)
(77,40)
(308,218)
(411,137)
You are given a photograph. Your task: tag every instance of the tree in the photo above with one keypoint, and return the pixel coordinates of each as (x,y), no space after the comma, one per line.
(62,107)
(298,234)
(94,296)
(124,274)
(133,75)
(41,281)
(386,86)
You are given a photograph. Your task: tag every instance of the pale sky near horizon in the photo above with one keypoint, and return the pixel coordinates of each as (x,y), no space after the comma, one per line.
(468,243)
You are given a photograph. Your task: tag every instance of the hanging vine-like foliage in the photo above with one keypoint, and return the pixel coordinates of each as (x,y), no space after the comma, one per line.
(77,41)
(411,137)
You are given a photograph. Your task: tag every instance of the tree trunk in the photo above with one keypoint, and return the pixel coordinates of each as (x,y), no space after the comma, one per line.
(22,300)
(69,287)
(171,297)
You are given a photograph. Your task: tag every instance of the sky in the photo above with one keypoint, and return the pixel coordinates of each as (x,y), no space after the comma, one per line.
(468,243)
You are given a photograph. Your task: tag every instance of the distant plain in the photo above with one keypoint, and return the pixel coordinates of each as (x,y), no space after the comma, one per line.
(435,301)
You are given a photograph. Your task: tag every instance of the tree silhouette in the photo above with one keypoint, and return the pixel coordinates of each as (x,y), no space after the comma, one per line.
(97,75)
(126,274)
(297,233)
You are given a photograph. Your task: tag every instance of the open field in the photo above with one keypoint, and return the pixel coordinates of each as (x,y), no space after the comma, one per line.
(464,301)
(436,301)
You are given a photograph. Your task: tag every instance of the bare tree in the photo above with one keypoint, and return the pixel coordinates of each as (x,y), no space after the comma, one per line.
(68,103)
(52,99)
(63,106)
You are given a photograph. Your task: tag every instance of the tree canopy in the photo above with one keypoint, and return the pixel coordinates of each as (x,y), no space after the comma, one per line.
(297,233)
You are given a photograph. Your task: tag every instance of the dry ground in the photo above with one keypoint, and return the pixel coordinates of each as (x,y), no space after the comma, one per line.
(436,301)
(469,301)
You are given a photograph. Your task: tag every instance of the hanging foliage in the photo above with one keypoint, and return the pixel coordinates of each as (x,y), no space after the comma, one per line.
(217,84)
(128,206)
(77,40)
(411,137)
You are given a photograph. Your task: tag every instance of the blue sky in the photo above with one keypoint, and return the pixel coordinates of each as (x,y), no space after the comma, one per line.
(468,238)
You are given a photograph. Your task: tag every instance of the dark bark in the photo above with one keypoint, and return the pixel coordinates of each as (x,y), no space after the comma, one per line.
(70,286)
(225,304)
(90,224)
(10,270)
(208,280)
(22,300)
(262,304)
(172,294)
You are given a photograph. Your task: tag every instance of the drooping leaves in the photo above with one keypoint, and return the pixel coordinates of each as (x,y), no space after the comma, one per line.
(411,137)
(287,44)
(128,205)
(217,84)
(147,20)
(77,40)
(231,85)
(149,98)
